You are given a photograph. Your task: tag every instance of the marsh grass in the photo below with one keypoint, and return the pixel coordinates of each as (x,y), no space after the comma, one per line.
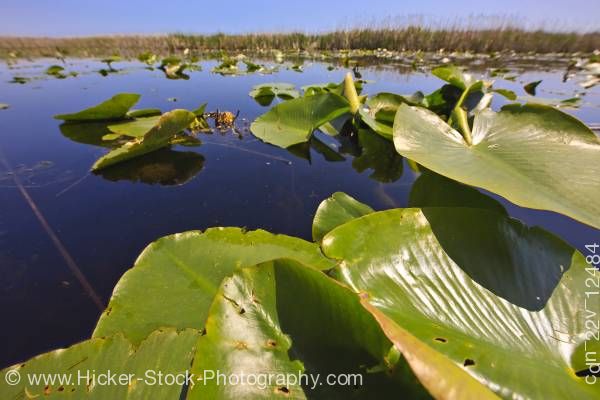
(411,38)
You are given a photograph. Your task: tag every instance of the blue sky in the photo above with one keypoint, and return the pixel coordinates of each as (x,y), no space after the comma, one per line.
(83,17)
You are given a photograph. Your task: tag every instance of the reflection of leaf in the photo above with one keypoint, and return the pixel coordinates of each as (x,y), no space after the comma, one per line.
(114,108)
(334,211)
(293,121)
(167,351)
(87,133)
(175,279)
(327,152)
(531,86)
(434,274)
(257,325)
(515,153)
(20,80)
(163,167)
(378,154)
(159,136)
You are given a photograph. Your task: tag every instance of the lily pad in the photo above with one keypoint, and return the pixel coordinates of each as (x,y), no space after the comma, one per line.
(114,108)
(159,136)
(257,326)
(136,128)
(514,154)
(454,76)
(266,92)
(166,351)
(144,112)
(175,278)
(502,301)
(335,211)
(293,121)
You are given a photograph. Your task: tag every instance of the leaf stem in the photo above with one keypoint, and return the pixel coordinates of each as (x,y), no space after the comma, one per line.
(459,115)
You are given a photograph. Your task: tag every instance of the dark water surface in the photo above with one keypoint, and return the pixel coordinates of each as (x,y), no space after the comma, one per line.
(105,221)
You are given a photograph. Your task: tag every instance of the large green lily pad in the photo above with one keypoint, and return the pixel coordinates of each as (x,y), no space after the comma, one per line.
(293,121)
(167,352)
(114,108)
(504,302)
(533,155)
(175,278)
(258,325)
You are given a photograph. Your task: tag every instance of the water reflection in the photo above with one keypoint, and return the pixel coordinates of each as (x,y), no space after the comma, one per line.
(162,167)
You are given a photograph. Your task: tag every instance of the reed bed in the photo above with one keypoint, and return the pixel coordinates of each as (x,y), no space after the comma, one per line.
(411,38)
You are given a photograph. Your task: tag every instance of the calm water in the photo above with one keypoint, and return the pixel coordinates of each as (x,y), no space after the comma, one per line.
(105,221)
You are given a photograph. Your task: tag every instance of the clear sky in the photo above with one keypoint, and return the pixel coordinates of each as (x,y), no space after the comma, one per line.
(84,17)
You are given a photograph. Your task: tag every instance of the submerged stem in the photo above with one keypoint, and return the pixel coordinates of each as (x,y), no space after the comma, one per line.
(350,93)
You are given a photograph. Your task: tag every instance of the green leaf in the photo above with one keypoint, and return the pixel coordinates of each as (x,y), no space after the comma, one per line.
(175,278)
(519,153)
(136,128)
(266,92)
(252,67)
(336,210)
(144,112)
(531,86)
(159,136)
(114,108)
(199,112)
(443,378)
(256,325)
(454,76)
(55,70)
(167,351)
(501,300)
(509,94)
(293,121)
(381,111)
(147,58)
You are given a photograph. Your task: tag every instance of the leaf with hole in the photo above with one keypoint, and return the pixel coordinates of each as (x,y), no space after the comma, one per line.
(175,278)
(257,326)
(496,297)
